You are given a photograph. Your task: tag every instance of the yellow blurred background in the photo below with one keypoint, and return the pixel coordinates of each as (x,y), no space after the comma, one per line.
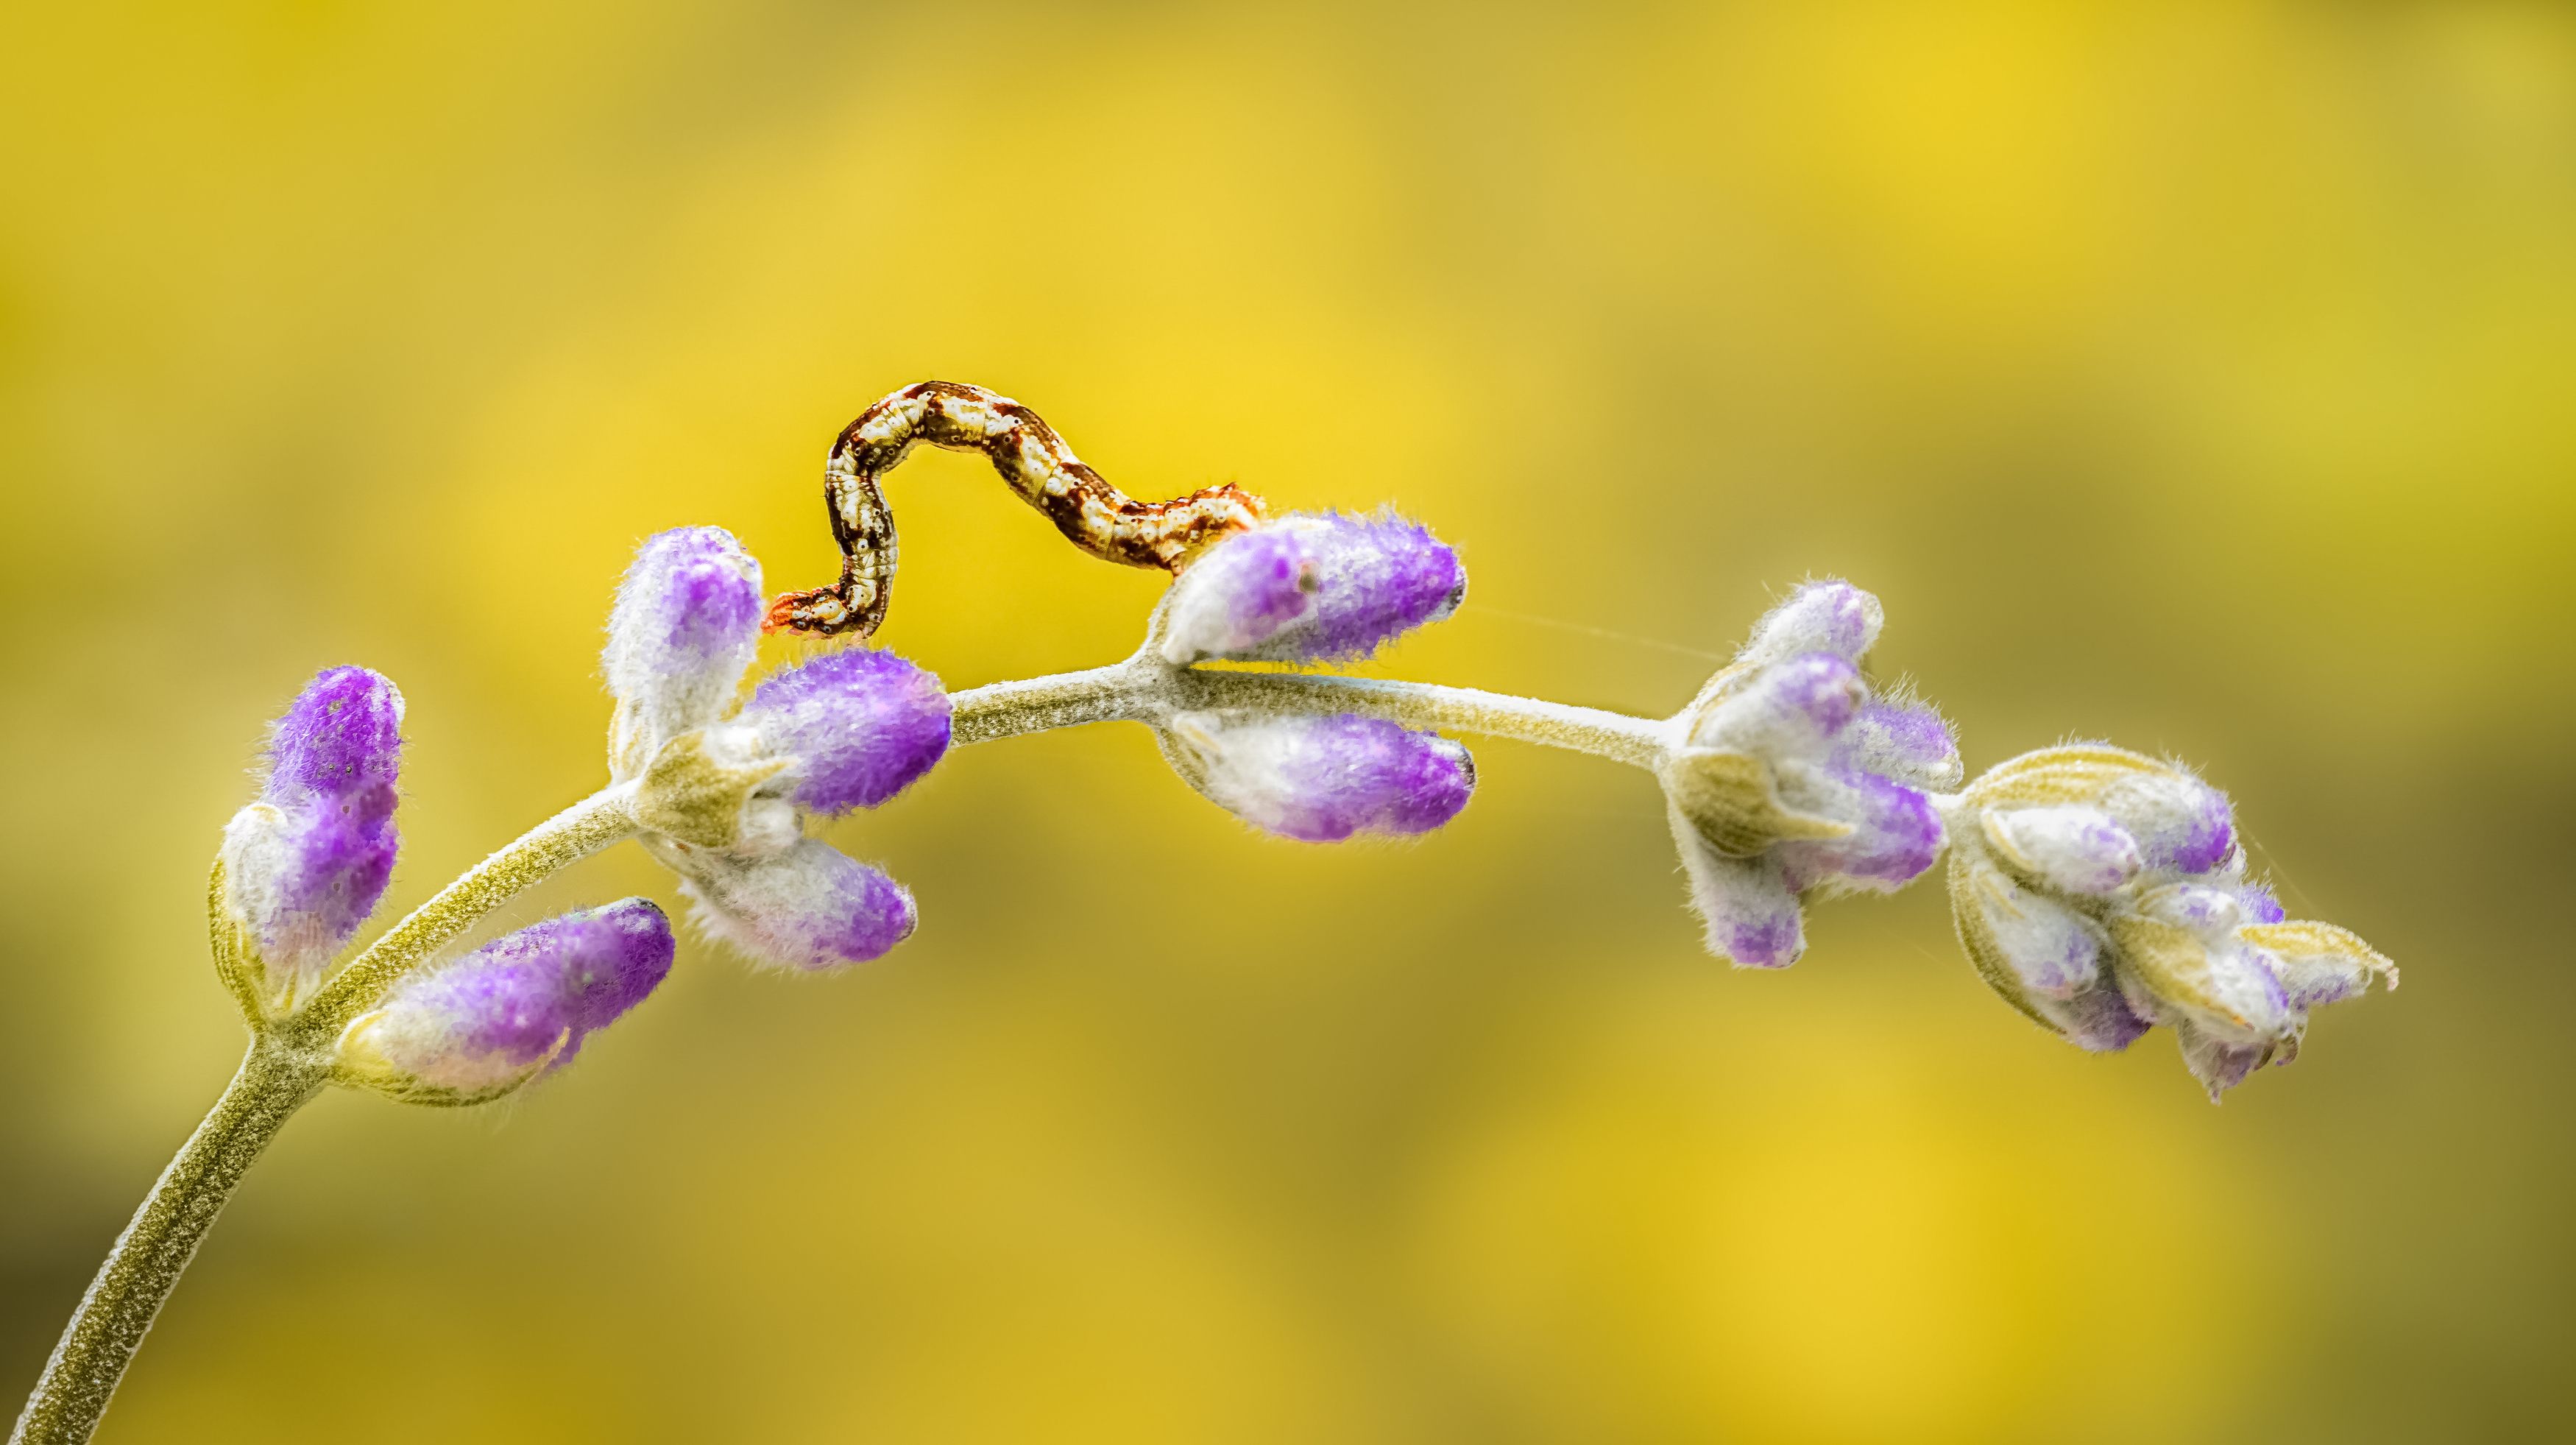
(2194,376)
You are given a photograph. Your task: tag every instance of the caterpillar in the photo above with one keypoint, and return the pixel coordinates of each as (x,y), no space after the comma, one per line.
(1093,515)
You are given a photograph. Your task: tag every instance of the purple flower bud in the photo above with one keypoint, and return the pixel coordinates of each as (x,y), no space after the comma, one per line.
(341,739)
(1907,741)
(1322,779)
(1751,913)
(2073,849)
(860,726)
(1240,595)
(2098,1020)
(518,1005)
(812,907)
(306,865)
(1827,616)
(2045,958)
(1895,836)
(1308,588)
(2181,823)
(685,627)
(2050,949)
(1790,709)
(2219,1063)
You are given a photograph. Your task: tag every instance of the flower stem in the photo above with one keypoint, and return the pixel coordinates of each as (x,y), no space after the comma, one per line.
(291,1060)
(145,1264)
(288,1063)
(603,818)
(1034,705)
(1141,690)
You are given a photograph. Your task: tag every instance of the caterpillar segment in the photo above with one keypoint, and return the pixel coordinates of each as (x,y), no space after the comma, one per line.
(1032,459)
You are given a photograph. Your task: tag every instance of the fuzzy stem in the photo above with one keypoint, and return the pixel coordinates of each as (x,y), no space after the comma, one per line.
(1141,690)
(603,818)
(1034,705)
(287,1064)
(145,1264)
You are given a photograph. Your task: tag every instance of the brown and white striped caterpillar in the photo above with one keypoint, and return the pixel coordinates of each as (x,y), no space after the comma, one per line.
(1092,514)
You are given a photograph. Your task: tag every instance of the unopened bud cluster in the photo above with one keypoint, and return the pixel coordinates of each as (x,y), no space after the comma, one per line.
(2102,892)
(1794,777)
(726,794)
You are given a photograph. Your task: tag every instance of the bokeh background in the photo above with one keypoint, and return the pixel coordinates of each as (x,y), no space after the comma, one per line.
(2194,376)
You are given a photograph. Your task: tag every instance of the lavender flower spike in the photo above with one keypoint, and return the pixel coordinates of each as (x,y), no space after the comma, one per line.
(1321,779)
(517,1007)
(305,865)
(2103,893)
(683,632)
(1793,777)
(1309,588)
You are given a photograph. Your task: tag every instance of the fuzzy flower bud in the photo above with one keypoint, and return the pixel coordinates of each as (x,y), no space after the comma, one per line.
(515,1008)
(685,628)
(1308,588)
(2102,893)
(1321,779)
(856,727)
(1830,616)
(1794,776)
(810,908)
(303,867)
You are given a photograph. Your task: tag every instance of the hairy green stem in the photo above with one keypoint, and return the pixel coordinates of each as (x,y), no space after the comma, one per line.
(291,1060)
(1141,690)
(594,823)
(288,1063)
(145,1265)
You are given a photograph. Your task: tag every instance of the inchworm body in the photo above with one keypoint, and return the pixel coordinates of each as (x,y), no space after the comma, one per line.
(1092,514)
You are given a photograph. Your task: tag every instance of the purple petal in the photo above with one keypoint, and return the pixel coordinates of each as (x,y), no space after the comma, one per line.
(342,858)
(1347,586)
(342,736)
(860,724)
(1378,577)
(1244,592)
(2206,839)
(1821,687)
(1896,836)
